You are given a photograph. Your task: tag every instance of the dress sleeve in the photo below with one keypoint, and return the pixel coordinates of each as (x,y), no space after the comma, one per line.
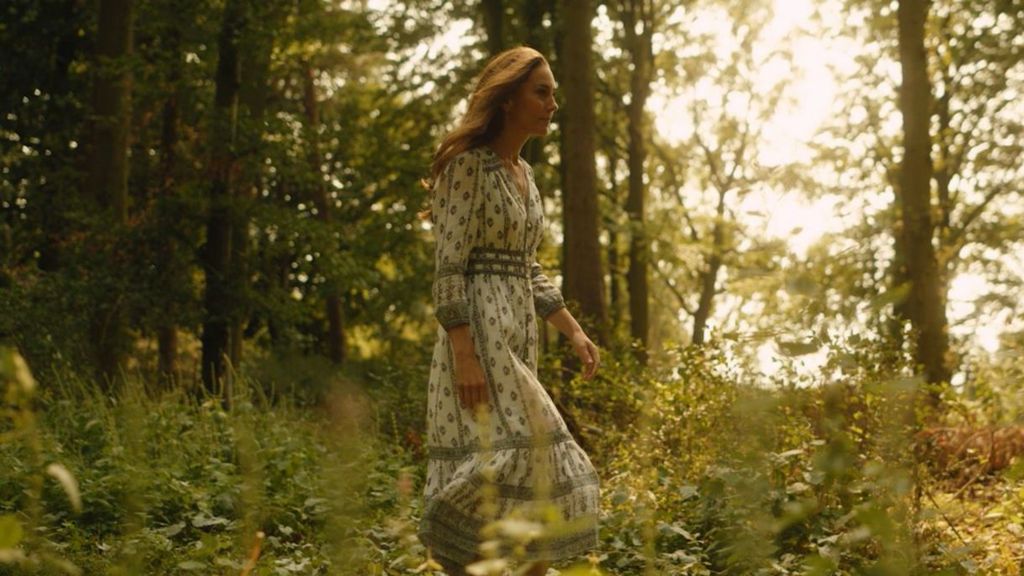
(456,197)
(547,299)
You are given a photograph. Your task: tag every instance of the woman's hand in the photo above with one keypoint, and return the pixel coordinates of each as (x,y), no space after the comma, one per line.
(581,344)
(587,352)
(470,382)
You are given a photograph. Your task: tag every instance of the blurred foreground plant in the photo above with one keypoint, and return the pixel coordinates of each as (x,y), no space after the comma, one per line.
(21,543)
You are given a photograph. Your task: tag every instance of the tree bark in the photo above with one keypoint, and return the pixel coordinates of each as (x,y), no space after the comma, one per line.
(61,115)
(533,12)
(926,306)
(634,13)
(709,278)
(584,278)
(108,172)
(256,43)
(217,252)
(494,24)
(167,332)
(615,290)
(332,295)
(112,108)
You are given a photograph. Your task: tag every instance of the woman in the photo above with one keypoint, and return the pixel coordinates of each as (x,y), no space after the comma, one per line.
(489,421)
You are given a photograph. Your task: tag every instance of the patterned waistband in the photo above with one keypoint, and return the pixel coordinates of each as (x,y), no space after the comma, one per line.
(498,261)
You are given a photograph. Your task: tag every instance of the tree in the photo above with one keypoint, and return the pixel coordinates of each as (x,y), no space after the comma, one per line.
(216,255)
(701,181)
(638,21)
(167,328)
(927,309)
(332,296)
(255,47)
(493,12)
(977,143)
(108,173)
(974,146)
(584,277)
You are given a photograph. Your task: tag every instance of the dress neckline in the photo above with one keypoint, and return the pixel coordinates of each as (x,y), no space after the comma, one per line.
(522,195)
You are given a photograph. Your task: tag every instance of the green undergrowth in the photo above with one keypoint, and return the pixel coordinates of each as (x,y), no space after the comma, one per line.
(701,475)
(172,485)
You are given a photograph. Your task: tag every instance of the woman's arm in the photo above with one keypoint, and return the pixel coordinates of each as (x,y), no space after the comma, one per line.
(457,194)
(587,351)
(471,384)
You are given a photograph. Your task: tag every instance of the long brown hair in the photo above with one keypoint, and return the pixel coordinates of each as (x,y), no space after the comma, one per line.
(483,120)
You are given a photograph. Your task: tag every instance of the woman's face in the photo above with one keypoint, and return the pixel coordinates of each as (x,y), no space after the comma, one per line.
(533,104)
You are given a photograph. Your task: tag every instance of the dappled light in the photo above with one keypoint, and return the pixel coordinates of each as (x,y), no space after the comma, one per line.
(714,287)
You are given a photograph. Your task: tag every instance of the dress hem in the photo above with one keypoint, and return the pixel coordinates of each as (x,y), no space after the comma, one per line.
(454,535)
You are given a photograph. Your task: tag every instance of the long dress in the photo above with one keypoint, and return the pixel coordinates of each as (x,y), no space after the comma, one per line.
(487,276)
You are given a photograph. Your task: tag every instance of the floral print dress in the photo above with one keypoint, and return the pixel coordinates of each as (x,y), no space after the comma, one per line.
(519,458)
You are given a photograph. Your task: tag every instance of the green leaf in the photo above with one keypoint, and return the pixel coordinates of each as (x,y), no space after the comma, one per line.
(620,496)
(677,529)
(203,520)
(172,530)
(687,491)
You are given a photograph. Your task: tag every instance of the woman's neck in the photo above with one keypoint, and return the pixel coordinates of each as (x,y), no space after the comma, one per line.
(508,145)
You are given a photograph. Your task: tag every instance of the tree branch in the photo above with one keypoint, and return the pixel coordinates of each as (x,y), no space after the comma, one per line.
(680,298)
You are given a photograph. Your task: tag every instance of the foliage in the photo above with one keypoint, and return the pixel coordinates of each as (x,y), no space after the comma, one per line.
(701,475)
(168,485)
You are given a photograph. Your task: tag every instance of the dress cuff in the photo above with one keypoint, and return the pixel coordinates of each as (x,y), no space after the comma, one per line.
(453,314)
(548,303)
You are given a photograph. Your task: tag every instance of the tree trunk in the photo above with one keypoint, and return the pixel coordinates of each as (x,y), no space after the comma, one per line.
(167,359)
(217,252)
(167,332)
(112,108)
(61,115)
(638,44)
(614,281)
(254,51)
(494,24)
(277,270)
(898,276)
(709,278)
(533,12)
(584,278)
(108,173)
(332,296)
(927,310)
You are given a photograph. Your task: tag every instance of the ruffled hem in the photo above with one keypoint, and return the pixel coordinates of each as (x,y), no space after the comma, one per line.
(457,477)
(451,534)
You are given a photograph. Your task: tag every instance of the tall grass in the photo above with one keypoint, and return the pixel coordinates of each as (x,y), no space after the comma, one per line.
(700,475)
(171,485)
